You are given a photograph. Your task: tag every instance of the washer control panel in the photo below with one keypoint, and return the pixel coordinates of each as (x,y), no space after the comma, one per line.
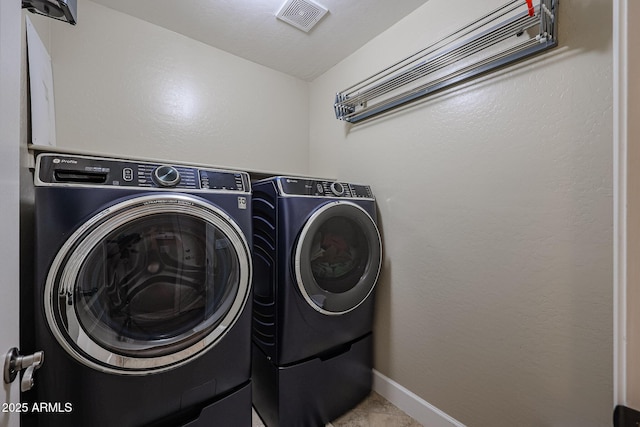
(75,170)
(293,186)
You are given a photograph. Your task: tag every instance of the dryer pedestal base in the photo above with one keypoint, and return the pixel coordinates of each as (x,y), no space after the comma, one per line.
(312,392)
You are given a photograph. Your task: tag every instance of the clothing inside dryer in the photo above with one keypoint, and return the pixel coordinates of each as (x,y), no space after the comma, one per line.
(339,254)
(157,285)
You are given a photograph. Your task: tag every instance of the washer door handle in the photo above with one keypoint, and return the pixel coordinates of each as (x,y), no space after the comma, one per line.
(14,363)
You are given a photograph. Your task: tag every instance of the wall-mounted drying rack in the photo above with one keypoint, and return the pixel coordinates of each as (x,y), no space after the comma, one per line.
(509,33)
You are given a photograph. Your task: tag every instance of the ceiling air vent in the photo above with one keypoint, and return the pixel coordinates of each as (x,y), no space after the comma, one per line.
(302,14)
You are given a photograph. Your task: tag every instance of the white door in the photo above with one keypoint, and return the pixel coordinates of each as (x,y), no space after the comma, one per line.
(632,294)
(9,195)
(627,236)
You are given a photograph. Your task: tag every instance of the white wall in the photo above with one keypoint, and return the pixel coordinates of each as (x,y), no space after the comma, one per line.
(495,200)
(128,87)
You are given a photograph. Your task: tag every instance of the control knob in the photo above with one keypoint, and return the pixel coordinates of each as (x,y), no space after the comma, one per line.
(166,176)
(337,189)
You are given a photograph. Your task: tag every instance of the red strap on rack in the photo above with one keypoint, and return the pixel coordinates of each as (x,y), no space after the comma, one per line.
(531,9)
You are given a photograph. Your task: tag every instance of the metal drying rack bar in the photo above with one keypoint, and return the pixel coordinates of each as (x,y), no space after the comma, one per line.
(478,47)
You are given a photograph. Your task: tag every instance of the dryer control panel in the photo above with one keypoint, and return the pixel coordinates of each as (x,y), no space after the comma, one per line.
(292,186)
(75,170)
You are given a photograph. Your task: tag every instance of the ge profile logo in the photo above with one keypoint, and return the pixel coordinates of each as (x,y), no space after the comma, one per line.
(56,160)
(242,203)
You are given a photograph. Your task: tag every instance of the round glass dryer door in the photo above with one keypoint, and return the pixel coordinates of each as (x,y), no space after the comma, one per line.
(148,284)
(338,258)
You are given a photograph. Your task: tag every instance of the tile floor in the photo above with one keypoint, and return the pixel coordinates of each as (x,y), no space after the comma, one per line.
(374,411)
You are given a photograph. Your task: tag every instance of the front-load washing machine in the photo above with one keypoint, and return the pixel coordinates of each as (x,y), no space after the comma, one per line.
(142,294)
(317,257)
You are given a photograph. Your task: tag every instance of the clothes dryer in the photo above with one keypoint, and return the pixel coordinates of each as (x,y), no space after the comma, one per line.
(317,256)
(142,293)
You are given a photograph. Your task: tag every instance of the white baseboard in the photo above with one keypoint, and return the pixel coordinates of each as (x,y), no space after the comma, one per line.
(413,405)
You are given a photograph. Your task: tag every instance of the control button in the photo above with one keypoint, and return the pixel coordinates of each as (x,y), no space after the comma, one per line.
(320,188)
(166,176)
(127,174)
(337,189)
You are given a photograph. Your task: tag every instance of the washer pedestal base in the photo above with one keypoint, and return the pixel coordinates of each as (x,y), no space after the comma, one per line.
(315,391)
(232,410)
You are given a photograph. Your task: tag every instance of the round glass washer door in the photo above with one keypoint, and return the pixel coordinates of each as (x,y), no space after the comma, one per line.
(148,284)
(337,258)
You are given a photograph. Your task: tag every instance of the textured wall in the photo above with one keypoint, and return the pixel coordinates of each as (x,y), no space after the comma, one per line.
(128,87)
(495,199)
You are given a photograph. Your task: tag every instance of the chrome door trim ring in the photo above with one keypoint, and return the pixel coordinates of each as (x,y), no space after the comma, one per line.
(93,231)
(298,255)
